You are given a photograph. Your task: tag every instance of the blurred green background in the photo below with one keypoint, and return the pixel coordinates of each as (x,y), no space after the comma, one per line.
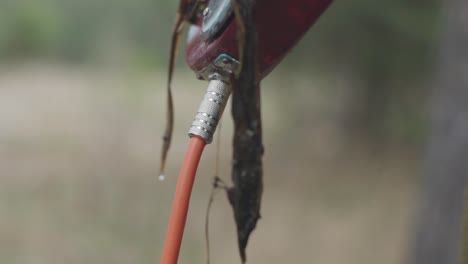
(82,107)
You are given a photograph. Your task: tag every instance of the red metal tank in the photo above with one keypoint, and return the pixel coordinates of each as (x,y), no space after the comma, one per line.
(280,24)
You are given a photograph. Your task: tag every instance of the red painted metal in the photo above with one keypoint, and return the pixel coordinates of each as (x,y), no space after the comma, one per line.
(280,25)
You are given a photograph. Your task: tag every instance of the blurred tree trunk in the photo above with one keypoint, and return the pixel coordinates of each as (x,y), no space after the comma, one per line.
(464,249)
(438,231)
(376,88)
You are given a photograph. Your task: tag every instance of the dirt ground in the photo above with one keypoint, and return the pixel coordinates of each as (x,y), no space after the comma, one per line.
(79,154)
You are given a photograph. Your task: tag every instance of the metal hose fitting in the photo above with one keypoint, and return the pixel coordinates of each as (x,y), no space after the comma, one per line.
(210,111)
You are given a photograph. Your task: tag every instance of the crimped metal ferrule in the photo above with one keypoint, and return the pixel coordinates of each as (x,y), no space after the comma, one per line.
(210,110)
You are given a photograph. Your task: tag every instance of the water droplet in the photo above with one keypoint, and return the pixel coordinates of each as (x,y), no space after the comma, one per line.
(162,177)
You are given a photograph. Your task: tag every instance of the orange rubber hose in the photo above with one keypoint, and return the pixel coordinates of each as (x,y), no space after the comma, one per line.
(181,202)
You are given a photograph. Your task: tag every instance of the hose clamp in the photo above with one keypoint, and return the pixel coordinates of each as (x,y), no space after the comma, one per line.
(221,68)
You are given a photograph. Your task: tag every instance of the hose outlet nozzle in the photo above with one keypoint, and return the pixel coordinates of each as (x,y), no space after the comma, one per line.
(210,111)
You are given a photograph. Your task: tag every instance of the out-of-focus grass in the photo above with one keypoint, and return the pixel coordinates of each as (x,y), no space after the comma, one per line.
(79,153)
